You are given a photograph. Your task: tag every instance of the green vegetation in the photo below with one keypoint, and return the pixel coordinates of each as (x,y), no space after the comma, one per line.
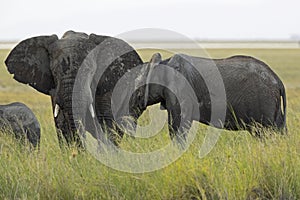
(239,167)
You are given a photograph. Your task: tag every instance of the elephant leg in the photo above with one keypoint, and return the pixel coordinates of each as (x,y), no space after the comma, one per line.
(256,129)
(112,131)
(61,140)
(178,127)
(33,135)
(106,119)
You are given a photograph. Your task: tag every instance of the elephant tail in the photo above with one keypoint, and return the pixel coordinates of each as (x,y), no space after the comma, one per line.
(283,115)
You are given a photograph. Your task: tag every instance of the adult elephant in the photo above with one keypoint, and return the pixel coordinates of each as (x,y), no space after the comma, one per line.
(234,93)
(19,119)
(52,66)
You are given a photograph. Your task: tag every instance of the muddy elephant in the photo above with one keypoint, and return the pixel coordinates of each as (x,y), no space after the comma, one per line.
(235,93)
(20,120)
(92,63)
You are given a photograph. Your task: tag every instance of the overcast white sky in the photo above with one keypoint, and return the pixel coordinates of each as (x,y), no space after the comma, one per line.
(197,19)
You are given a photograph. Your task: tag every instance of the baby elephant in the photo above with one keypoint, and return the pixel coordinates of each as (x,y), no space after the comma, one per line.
(234,93)
(18,118)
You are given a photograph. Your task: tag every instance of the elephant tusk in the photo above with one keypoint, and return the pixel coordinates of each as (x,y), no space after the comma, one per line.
(56,110)
(92,110)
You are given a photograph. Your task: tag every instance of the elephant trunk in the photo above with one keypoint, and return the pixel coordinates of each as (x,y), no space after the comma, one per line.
(75,107)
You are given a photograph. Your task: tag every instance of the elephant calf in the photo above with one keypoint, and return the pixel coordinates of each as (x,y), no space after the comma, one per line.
(22,122)
(234,93)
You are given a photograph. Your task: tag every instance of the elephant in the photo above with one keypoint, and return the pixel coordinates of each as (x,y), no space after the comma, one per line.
(18,118)
(235,93)
(68,70)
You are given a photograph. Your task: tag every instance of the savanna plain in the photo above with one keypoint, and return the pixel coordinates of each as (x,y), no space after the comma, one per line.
(240,166)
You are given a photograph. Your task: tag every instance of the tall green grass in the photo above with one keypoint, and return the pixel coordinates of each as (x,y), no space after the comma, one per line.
(239,167)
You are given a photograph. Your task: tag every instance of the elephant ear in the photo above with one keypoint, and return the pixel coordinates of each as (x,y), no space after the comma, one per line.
(155,60)
(29,61)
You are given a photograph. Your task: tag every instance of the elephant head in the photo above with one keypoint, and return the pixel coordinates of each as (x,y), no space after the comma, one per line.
(146,93)
(51,66)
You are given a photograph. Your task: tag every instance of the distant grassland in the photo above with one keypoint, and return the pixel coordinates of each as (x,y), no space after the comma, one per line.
(239,167)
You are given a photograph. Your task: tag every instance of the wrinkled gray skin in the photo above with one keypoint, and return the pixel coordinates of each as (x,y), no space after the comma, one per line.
(18,118)
(50,65)
(253,92)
